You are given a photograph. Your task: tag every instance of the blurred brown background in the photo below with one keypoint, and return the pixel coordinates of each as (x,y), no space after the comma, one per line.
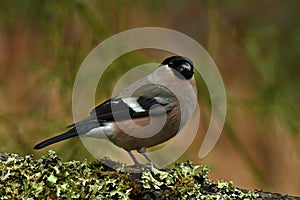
(255,44)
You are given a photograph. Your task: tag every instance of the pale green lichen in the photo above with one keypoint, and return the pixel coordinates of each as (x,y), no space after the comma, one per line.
(48,177)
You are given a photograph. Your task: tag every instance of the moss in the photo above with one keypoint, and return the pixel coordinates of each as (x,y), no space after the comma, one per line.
(49,177)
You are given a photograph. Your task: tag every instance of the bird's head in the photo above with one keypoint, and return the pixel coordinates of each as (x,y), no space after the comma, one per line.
(182,65)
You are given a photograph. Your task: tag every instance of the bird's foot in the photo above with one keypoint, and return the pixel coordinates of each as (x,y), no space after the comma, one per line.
(139,167)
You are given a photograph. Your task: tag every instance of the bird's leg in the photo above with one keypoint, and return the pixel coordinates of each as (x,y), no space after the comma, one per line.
(142,150)
(136,162)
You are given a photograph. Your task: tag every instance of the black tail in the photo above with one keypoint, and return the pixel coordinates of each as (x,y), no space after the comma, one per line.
(71,133)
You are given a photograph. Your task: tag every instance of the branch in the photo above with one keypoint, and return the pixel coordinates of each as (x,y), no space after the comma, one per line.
(48,177)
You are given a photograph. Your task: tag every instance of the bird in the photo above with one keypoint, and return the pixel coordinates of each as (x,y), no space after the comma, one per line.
(148,112)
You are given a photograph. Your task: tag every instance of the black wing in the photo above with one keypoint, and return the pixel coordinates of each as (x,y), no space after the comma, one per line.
(130,107)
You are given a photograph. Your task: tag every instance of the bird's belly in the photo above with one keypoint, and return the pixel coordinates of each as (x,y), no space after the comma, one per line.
(134,138)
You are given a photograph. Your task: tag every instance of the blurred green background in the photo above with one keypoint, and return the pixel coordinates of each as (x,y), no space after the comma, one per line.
(255,44)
